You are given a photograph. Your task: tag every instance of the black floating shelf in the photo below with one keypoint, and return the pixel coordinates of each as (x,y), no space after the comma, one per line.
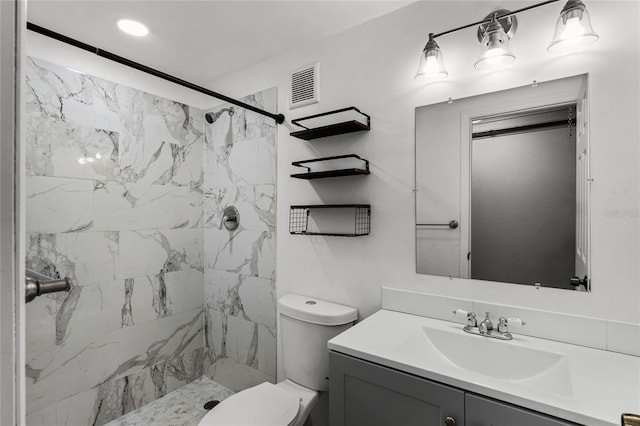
(331,129)
(330,173)
(299,219)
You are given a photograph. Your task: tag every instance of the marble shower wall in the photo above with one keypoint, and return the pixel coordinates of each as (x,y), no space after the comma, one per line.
(239,274)
(115,202)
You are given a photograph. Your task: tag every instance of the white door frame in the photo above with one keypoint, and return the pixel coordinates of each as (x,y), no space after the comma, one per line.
(12,379)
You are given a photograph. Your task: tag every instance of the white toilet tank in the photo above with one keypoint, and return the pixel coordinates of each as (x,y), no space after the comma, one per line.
(306,325)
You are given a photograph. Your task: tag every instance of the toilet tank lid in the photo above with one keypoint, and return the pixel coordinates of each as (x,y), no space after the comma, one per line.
(316,311)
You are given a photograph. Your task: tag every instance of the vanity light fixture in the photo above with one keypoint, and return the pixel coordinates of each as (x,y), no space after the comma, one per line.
(573,30)
(134,28)
(431,62)
(494,38)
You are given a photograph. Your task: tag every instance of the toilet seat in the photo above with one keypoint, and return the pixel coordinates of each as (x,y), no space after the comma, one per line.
(264,404)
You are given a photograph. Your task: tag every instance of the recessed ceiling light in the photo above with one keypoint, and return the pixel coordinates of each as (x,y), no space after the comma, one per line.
(132,27)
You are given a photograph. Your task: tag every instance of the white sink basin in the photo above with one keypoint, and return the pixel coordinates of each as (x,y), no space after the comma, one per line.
(584,385)
(498,359)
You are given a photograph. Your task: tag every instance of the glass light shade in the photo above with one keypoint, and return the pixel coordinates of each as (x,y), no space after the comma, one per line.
(573,29)
(431,65)
(495,51)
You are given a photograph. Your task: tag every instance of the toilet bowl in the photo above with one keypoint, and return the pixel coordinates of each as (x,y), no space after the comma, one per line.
(306,324)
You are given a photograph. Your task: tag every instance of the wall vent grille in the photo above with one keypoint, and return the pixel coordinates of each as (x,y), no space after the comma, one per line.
(304,86)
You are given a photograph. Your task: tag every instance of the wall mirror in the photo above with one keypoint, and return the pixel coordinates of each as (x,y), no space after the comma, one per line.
(502,186)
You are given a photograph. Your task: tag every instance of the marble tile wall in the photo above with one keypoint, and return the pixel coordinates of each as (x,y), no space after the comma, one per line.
(239,266)
(115,202)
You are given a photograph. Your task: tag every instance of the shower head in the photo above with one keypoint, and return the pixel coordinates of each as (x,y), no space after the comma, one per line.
(212,117)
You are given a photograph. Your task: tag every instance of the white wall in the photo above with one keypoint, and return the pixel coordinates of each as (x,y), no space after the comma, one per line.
(372,67)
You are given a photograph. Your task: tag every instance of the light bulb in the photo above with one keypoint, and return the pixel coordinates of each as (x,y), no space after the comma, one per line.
(573,28)
(431,65)
(493,56)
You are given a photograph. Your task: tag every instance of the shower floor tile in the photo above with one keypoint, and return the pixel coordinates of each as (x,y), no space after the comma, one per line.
(182,407)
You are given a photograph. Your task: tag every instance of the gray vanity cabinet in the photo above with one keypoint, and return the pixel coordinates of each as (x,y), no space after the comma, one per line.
(482,411)
(363,393)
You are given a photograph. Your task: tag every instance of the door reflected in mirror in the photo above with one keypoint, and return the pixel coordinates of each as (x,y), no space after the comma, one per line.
(511,169)
(523,181)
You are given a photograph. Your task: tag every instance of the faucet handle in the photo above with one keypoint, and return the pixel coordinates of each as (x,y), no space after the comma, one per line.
(461,313)
(471,317)
(503,323)
(516,321)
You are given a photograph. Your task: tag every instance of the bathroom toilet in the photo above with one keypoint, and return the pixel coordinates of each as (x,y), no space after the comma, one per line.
(306,324)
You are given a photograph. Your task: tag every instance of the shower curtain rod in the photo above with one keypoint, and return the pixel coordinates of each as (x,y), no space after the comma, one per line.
(279,118)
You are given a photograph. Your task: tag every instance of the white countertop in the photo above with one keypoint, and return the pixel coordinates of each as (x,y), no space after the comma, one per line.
(602,384)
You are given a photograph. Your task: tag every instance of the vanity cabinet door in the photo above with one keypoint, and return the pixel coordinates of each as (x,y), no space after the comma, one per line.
(366,394)
(482,411)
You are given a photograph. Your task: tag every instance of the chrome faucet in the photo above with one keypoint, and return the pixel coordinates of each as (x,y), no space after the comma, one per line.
(486,326)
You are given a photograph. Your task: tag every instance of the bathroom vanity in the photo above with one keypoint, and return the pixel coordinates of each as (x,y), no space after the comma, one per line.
(365,393)
(426,371)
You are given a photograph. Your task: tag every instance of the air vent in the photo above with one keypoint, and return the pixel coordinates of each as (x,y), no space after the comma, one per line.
(304,86)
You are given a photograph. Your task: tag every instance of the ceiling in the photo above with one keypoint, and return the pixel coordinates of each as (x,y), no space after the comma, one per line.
(200,41)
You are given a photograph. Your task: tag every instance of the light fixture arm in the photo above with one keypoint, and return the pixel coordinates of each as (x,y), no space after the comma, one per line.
(488,20)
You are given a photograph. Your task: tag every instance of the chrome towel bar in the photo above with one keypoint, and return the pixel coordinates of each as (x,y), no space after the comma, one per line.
(452,224)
